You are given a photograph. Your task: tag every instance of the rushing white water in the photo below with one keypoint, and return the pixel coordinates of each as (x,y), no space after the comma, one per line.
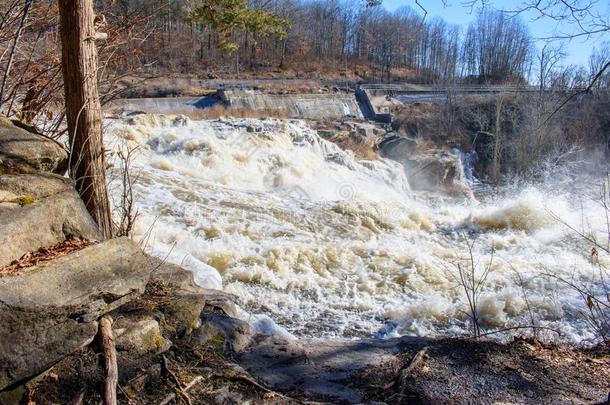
(469,159)
(323,244)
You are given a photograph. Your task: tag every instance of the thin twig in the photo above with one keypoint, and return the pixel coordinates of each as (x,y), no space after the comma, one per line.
(174,378)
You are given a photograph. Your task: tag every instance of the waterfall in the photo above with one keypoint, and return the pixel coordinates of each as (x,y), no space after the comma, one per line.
(469,159)
(324,244)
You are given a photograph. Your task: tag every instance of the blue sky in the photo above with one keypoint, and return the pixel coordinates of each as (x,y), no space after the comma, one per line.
(456,13)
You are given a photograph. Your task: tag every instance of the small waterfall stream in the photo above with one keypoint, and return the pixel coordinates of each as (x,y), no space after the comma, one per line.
(469,159)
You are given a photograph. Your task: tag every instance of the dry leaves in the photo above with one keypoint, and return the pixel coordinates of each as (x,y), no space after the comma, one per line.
(46,254)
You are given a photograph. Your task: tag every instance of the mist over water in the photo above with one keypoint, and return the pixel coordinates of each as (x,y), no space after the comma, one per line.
(316,243)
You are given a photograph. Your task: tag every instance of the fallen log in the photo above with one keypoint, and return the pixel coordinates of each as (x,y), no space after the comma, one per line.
(110,362)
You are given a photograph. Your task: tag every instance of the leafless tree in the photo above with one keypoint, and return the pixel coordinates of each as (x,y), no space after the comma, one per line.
(472,277)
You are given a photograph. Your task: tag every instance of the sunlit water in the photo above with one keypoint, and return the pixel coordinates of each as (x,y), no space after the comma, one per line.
(316,243)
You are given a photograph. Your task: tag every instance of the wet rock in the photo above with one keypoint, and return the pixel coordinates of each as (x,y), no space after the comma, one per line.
(254,129)
(397,148)
(326,133)
(428,168)
(22,151)
(437,171)
(182,282)
(47,207)
(182,314)
(139,337)
(330,370)
(50,310)
(179,278)
(135,113)
(233,334)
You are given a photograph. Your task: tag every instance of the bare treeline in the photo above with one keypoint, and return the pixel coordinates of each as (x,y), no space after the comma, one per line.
(338,39)
(337,35)
(515,134)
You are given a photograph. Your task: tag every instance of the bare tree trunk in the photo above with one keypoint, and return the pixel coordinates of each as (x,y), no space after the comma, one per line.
(83,111)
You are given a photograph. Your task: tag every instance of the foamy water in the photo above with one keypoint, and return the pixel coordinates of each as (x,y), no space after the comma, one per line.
(321,244)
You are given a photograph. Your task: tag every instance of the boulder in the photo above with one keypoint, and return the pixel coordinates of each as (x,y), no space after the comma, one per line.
(397,148)
(328,370)
(182,314)
(182,282)
(427,167)
(50,310)
(38,185)
(139,337)
(437,171)
(22,151)
(178,278)
(233,334)
(39,211)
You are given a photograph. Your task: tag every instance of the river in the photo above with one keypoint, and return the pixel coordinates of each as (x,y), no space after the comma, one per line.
(316,243)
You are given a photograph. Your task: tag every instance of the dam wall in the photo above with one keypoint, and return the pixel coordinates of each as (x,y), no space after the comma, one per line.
(318,106)
(374,102)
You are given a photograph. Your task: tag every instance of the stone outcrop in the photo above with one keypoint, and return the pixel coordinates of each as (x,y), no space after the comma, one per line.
(428,168)
(22,151)
(397,147)
(50,310)
(358,137)
(181,314)
(437,170)
(39,210)
(139,336)
(234,334)
(332,370)
(182,283)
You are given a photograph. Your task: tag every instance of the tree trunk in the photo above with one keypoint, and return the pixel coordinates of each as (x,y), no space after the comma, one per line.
(83,110)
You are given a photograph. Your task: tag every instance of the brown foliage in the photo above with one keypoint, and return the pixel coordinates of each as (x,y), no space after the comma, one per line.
(46,254)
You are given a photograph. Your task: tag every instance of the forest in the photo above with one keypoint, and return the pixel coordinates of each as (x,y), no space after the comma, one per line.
(341,40)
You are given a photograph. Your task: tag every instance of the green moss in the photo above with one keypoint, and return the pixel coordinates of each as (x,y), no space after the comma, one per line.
(152,342)
(183,314)
(5,122)
(24,200)
(217,342)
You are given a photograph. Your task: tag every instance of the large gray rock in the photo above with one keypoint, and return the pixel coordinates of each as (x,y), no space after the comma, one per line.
(22,151)
(38,185)
(428,168)
(182,282)
(437,171)
(330,370)
(50,310)
(236,335)
(39,210)
(397,147)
